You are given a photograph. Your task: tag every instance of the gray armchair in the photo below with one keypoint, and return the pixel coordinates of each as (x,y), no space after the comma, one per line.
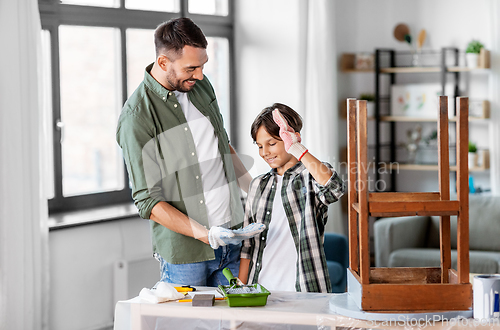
(414,241)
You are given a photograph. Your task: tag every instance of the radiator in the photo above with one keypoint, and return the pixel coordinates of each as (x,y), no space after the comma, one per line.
(130,276)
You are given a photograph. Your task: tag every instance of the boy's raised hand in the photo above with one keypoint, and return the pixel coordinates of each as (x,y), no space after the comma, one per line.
(289,136)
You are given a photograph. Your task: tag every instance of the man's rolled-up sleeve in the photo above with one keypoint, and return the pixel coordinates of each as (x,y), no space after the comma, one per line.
(133,136)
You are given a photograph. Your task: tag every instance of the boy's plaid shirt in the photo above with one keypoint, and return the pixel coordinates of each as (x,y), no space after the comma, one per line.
(306,205)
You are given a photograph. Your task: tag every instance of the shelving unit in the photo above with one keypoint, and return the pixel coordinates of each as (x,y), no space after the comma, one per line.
(427,167)
(423,119)
(388,64)
(347,64)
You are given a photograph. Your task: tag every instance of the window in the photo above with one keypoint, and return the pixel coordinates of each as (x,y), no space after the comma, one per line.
(154,5)
(90,99)
(99,3)
(95,52)
(218,73)
(209,7)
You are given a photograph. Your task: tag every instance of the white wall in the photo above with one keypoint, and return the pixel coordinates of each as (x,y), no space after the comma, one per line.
(267,56)
(363,25)
(81,270)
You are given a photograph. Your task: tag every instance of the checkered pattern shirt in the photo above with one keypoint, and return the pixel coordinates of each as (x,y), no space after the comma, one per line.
(306,204)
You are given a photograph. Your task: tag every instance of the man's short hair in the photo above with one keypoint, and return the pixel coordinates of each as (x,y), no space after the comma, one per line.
(173,35)
(265,119)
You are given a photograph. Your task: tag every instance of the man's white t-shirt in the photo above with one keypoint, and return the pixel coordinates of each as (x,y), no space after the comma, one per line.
(279,258)
(215,186)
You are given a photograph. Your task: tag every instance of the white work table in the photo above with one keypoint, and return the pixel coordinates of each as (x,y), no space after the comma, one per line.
(284,310)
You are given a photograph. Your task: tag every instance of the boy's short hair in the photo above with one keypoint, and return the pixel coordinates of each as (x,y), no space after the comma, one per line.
(265,119)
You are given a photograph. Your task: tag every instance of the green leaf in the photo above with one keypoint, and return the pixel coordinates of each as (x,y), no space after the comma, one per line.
(367,96)
(474,47)
(472,147)
(408,38)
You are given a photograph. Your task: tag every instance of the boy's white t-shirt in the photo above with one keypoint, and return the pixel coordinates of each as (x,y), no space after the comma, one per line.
(278,272)
(215,186)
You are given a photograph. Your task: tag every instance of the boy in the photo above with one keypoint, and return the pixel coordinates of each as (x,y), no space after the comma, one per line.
(292,201)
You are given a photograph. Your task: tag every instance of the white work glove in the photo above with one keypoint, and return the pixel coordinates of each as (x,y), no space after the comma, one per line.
(218,236)
(289,136)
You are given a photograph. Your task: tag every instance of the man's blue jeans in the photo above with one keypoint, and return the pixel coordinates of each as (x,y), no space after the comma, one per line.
(205,273)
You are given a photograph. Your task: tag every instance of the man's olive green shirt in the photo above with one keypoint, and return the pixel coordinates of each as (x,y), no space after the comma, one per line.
(162,162)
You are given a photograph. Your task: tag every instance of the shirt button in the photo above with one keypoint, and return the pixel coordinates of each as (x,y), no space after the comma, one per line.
(268,212)
(169,93)
(175,105)
(185,128)
(197,177)
(201,202)
(263,238)
(192,154)
(258,264)
(164,98)
(273,186)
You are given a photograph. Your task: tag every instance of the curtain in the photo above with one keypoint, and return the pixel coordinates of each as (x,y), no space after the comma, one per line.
(320,100)
(23,208)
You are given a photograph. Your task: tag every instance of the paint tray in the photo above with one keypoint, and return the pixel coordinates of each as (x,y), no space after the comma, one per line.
(243,295)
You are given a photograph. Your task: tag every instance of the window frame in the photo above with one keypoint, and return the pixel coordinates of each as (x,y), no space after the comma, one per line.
(53,14)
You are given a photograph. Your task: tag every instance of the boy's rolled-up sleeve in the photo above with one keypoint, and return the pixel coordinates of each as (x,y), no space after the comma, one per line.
(332,190)
(245,249)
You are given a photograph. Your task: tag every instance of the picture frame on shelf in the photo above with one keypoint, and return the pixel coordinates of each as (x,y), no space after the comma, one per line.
(479,109)
(357,62)
(364,61)
(418,100)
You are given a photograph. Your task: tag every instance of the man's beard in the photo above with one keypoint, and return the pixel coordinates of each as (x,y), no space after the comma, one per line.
(177,84)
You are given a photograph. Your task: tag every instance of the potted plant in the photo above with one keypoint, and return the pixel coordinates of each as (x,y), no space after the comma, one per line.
(472,155)
(472,53)
(370,103)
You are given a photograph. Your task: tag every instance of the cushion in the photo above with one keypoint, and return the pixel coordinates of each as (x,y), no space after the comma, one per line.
(336,271)
(433,236)
(484,225)
(481,262)
(419,257)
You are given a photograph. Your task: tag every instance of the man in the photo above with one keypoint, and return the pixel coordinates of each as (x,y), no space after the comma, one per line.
(179,161)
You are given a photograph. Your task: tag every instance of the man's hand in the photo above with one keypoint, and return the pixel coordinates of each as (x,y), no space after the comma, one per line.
(218,236)
(289,136)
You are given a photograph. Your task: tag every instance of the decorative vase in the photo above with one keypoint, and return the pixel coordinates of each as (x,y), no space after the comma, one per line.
(415,59)
(472,60)
(370,109)
(472,160)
